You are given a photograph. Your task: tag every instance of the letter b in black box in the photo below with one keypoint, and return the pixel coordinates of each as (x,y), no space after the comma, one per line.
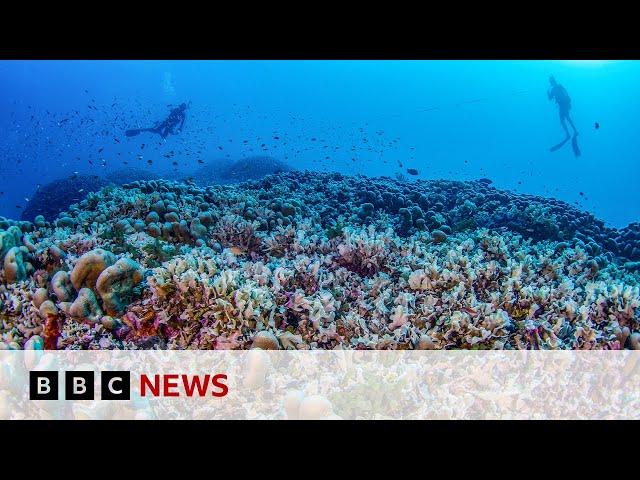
(43,385)
(78,385)
(116,385)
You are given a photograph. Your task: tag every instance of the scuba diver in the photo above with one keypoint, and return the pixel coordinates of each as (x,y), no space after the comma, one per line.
(167,126)
(561,96)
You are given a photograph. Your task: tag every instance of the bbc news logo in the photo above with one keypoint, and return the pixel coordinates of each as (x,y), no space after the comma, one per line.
(79,385)
(114,385)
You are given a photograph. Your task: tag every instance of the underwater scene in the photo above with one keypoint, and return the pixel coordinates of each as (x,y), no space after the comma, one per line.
(320,204)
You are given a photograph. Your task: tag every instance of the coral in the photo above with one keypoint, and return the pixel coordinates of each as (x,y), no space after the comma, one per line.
(265,340)
(315,407)
(116,283)
(89,267)
(34,343)
(424,343)
(17,234)
(62,287)
(234,231)
(47,308)
(365,252)
(7,242)
(85,308)
(198,230)
(438,236)
(52,322)
(14,266)
(323,261)
(40,296)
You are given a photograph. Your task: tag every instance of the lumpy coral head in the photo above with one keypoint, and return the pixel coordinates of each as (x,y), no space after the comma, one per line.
(116,283)
(63,288)
(86,308)
(14,267)
(7,242)
(89,267)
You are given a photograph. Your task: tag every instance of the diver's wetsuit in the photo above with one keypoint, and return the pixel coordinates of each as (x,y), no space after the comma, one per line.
(564,106)
(167,126)
(561,96)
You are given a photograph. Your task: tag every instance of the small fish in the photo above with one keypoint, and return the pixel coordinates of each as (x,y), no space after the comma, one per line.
(175,164)
(18,206)
(26,199)
(200,162)
(412,171)
(100,151)
(597,125)
(582,194)
(237,251)
(81,190)
(276,138)
(150,162)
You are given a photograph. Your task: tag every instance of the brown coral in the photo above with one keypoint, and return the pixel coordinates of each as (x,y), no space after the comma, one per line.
(116,283)
(89,267)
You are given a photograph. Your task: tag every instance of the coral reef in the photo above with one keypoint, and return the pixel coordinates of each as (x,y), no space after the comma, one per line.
(225,171)
(57,196)
(116,283)
(301,260)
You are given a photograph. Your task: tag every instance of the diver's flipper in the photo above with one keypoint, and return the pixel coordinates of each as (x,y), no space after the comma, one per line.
(574,145)
(561,144)
(137,131)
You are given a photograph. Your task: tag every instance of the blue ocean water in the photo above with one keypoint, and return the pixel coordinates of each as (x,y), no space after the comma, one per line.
(446,119)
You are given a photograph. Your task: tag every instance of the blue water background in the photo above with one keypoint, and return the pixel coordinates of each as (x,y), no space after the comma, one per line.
(447,119)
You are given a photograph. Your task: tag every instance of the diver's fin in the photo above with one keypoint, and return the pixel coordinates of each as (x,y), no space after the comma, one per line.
(556,147)
(574,145)
(137,131)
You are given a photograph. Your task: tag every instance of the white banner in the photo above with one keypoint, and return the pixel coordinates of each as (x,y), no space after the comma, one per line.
(261,384)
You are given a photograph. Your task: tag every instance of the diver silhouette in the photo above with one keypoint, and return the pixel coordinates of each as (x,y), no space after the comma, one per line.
(561,96)
(167,126)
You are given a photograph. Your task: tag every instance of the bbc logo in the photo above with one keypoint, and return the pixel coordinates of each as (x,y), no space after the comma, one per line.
(43,385)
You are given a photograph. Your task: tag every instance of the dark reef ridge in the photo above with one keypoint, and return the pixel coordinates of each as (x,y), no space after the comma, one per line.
(443,206)
(58,195)
(237,171)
